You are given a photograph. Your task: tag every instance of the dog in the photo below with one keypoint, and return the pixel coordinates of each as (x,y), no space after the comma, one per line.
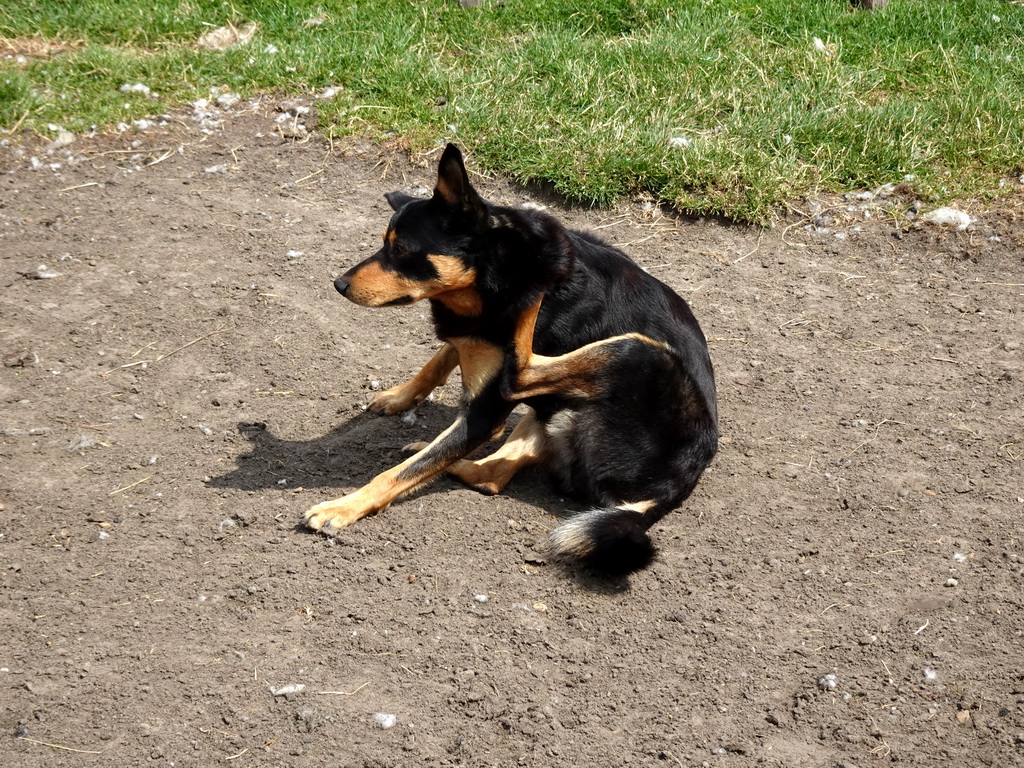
(611,363)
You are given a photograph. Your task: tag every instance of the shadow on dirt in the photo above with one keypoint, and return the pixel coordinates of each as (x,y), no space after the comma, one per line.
(356,450)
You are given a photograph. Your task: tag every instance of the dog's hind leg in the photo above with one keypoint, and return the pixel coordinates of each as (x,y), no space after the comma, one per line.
(525,446)
(575,374)
(415,391)
(578,374)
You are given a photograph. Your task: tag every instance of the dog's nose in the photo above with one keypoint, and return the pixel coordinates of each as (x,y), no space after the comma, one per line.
(342,285)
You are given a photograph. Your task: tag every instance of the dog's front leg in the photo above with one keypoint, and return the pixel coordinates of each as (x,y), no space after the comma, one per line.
(415,391)
(388,486)
(473,428)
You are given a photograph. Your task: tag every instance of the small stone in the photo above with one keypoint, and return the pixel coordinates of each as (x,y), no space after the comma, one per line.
(481,598)
(951,582)
(287,691)
(80,443)
(385,720)
(828,682)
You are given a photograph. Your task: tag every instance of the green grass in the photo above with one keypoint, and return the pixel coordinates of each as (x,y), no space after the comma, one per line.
(586,97)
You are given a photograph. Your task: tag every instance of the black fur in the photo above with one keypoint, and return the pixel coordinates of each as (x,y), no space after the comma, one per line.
(651,428)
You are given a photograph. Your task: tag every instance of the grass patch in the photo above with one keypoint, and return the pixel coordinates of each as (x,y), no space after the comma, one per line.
(728,106)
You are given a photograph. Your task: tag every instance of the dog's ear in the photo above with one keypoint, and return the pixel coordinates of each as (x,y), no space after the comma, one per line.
(398,200)
(453,187)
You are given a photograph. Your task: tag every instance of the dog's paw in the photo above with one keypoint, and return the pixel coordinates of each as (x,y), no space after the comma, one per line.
(333,515)
(395,400)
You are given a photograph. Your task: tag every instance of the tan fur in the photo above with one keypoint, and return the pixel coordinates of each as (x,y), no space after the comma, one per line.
(526,445)
(480,363)
(374,286)
(415,391)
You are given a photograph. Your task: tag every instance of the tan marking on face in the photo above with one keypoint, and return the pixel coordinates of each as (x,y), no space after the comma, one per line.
(374,286)
(480,362)
(459,292)
(391,236)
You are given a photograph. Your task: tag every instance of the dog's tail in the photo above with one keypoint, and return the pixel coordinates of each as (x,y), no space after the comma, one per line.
(612,541)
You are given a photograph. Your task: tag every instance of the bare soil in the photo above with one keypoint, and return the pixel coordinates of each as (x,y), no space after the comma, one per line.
(180,381)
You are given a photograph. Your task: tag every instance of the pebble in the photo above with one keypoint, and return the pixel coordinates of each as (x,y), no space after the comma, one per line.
(204,429)
(959,557)
(80,443)
(828,682)
(481,598)
(288,691)
(385,720)
(951,582)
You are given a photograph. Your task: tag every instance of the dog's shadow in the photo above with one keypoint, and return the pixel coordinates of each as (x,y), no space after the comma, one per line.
(357,449)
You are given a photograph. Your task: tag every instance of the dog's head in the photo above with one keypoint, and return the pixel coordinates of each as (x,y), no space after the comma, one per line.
(425,254)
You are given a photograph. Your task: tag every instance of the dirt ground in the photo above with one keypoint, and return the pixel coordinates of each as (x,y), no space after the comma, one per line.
(180,381)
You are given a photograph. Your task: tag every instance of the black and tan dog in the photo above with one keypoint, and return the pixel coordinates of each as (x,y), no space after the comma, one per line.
(611,362)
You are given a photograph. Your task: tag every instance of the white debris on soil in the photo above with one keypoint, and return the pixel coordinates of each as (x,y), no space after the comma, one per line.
(679,142)
(481,598)
(409,418)
(949,217)
(226,525)
(287,691)
(951,582)
(293,254)
(15,432)
(225,100)
(63,139)
(828,682)
(80,443)
(42,273)
(959,557)
(204,429)
(930,674)
(385,720)
(220,168)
